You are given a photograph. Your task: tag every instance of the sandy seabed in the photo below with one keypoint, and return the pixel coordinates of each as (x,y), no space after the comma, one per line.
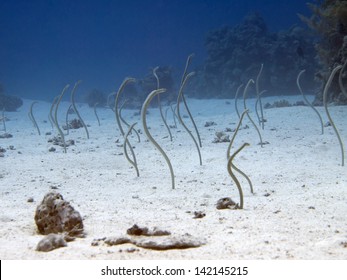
(298,209)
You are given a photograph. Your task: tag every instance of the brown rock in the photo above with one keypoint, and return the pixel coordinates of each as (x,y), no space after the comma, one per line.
(55,215)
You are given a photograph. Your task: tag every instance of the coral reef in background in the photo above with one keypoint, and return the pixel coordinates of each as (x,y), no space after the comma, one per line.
(329,21)
(236,53)
(149,83)
(96,97)
(132,96)
(9,103)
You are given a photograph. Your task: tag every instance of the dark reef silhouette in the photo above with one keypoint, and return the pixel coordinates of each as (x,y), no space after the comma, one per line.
(9,103)
(329,21)
(236,53)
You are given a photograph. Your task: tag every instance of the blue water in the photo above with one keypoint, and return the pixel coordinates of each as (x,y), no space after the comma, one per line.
(45,44)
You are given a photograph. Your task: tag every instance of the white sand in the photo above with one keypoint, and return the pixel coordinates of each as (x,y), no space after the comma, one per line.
(304,217)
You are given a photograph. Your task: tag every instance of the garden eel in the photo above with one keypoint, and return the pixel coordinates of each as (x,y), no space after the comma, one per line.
(245,107)
(325,102)
(159,103)
(32,118)
(236,131)
(231,165)
(258,101)
(67,119)
(166,110)
(116,111)
(127,142)
(184,99)
(116,102)
(174,114)
(229,148)
(56,115)
(189,59)
(50,115)
(133,163)
(261,118)
(180,94)
(108,101)
(3,118)
(126,123)
(96,114)
(149,136)
(343,90)
(236,95)
(75,108)
(308,102)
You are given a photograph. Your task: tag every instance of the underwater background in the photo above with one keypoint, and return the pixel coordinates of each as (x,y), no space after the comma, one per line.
(46,44)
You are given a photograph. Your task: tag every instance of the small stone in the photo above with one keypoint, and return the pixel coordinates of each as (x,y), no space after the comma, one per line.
(226,203)
(6,135)
(210,123)
(112,241)
(221,137)
(199,214)
(30,199)
(131,250)
(50,242)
